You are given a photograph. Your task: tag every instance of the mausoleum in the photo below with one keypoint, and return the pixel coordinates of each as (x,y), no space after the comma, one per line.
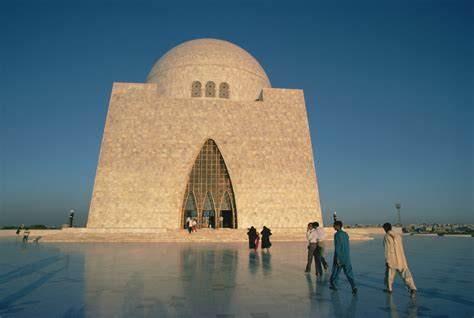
(205,137)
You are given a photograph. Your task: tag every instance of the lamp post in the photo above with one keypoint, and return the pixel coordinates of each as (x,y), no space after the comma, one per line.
(398,206)
(71,217)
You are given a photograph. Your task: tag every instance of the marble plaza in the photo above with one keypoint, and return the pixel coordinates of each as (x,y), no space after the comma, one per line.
(226,280)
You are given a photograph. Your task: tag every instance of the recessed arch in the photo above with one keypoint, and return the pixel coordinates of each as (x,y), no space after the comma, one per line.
(224,90)
(196,89)
(190,209)
(208,211)
(210,183)
(210,89)
(227,214)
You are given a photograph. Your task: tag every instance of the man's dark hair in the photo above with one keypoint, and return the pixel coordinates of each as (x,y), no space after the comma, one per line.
(315,224)
(387,226)
(338,223)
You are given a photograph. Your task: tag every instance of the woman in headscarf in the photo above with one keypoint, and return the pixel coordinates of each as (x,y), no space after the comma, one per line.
(253,235)
(266,238)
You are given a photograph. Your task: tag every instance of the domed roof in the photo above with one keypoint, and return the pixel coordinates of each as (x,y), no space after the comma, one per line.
(206,60)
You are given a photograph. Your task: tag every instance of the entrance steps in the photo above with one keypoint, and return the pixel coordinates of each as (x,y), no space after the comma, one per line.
(201,235)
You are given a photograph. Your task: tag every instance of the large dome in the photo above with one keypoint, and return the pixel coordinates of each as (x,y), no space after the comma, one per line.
(208,60)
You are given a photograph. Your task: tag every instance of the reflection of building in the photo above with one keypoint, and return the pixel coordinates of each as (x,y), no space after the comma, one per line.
(205,137)
(212,268)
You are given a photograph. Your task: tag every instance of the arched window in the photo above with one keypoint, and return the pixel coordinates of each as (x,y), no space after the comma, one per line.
(210,89)
(224,90)
(196,89)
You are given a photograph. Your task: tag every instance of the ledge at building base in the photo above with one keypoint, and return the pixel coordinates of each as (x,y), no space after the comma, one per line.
(71,235)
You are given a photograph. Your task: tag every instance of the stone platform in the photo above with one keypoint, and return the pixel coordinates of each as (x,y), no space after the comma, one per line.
(70,235)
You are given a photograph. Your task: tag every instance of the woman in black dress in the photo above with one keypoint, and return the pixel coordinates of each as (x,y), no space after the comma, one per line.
(252,234)
(266,232)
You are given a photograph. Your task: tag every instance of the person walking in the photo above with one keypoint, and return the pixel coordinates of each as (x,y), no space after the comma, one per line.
(257,240)
(266,232)
(26,235)
(395,261)
(194,225)
(342,258)
(320,260)
(252,234)
(312,237)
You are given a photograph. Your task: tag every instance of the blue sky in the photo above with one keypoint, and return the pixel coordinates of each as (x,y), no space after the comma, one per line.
(388,88)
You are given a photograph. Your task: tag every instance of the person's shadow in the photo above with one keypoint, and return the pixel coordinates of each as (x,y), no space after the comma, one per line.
(342,310)
(254,261)
(411,310)
(266,263)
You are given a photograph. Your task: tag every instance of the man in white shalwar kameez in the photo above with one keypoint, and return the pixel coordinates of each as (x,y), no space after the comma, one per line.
(396,261)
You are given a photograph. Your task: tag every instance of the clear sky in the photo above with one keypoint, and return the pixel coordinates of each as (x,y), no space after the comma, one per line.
(388,88)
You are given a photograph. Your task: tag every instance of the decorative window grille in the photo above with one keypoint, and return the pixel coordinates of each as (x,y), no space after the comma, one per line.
(210,89)
(224,90)
(196,89)
(210,189)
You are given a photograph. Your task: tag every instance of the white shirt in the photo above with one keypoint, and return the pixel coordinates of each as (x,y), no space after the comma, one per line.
(321,234)
(312,236)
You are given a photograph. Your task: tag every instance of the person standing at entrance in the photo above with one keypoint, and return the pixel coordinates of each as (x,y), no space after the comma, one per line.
(189,224)
(312,237)
(320,260)
(342,259)
(266,238)
(194,225)
(395,261)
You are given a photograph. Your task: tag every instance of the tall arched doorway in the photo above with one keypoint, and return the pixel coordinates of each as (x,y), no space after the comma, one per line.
(227,219)
(211,188)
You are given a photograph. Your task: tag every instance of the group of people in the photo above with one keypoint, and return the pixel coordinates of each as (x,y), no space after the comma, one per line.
(26,233)
(254,238)
(395,260)
(191,224)
(316,238)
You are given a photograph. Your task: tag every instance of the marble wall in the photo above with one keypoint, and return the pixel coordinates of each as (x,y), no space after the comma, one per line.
(150,143)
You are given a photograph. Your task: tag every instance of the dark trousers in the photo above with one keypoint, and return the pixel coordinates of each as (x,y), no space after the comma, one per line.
(311,254)
(320,256)
(318,260)
(336,270)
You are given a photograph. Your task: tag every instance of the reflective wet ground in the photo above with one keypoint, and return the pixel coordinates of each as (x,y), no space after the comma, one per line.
(227,280)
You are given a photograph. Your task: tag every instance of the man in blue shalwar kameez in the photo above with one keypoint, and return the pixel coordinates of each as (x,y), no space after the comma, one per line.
(342,258)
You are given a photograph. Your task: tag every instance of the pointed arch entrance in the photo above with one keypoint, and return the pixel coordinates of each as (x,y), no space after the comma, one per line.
(227,211)
(211,188)
(190,207)
(208,212)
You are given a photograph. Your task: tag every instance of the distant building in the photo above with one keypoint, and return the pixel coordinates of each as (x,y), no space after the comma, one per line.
(205,137)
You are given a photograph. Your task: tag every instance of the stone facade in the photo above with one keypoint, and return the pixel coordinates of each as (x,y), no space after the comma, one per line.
(151,141)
